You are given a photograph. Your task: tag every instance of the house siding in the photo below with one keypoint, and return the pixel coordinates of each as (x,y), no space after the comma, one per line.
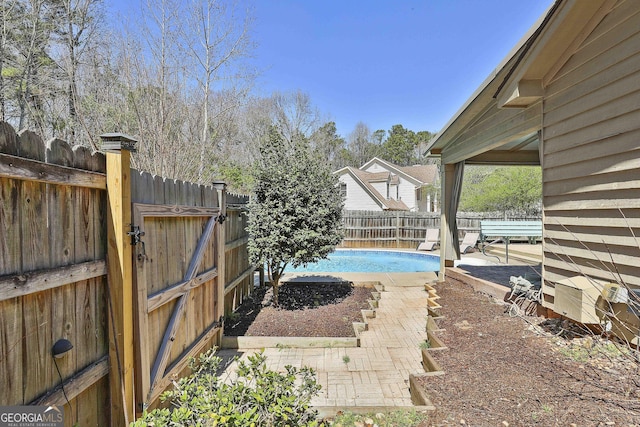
(381,187)
(591,156)
(407,193)
(375,168)
(357,197)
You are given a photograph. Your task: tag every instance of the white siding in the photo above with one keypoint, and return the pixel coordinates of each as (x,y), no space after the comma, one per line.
(591,162)
(375,168)
(408,193)
(357,198)
(381,187)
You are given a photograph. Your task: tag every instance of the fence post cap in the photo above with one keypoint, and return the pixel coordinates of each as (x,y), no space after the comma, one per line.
(219,185)
(118,141)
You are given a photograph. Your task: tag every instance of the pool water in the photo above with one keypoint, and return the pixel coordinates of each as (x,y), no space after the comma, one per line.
(371,261)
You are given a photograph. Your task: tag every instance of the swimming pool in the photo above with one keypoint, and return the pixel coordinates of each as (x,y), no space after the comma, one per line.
(371,261)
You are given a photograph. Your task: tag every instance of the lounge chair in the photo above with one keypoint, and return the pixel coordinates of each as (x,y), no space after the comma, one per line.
(469,242)
(431,240)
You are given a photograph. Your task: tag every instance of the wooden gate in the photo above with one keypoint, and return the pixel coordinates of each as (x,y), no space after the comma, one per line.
(178,278)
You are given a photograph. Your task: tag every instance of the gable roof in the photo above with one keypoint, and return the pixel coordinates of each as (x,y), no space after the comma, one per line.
(418,175)
(364,179)
(427,174)
(501,121)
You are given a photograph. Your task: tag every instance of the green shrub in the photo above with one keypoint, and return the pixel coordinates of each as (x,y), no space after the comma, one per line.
(258,397)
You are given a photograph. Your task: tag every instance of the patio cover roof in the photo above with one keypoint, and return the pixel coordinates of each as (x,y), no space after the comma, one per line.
(500,123)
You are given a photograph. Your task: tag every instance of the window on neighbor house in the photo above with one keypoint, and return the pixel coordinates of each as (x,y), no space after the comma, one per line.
(343,190)
(418,194)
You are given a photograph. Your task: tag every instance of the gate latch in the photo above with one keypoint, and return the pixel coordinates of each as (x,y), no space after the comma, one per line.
(136,237)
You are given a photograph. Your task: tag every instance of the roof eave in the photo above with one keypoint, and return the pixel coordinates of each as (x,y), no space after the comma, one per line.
(486,91)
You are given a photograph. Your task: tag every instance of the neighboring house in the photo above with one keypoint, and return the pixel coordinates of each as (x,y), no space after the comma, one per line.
(379,185)
(567,98)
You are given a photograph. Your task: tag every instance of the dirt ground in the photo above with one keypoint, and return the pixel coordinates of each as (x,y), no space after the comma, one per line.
(526,371)
(499,370)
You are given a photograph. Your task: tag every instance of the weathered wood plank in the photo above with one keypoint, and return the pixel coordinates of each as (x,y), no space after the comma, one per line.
(32,170)
(169,294)
(36,307)
(179,211)
(143,367)
(10,244)
(61,253)
(90,328)
(24,284)
(8,139)
(11,352)
(236,243)
(187,244)
(162,358)
(37,360)
(77,384)
(174,323)
(235,282)
(31,146)
(198,346)
(64,324)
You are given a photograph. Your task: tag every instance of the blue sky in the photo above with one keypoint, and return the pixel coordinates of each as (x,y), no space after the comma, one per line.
(385,62)
(409,62)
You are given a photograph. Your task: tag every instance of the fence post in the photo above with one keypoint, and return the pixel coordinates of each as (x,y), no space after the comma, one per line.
(397,229)
(221,188)
(119,277)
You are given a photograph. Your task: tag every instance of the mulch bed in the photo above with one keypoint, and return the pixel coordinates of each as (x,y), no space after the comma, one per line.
(499,370)
(304,310)
(504,371)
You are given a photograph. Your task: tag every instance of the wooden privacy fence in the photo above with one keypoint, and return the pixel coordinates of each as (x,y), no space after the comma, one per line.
(403,229)
(136,271)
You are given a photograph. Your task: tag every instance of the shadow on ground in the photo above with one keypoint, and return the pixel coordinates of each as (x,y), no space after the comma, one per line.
(500,274)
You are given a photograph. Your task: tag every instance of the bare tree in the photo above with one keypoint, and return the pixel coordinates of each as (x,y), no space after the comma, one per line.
(78,22)
(218,38)
(8,12)
(360,143)
(32,64)
(294,114)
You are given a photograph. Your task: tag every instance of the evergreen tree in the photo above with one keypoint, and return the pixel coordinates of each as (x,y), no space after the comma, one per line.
(296,215)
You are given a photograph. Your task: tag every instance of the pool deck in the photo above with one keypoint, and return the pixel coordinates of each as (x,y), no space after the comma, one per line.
(375,376)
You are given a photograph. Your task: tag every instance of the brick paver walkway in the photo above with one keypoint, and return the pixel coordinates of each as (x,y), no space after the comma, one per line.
(374,376)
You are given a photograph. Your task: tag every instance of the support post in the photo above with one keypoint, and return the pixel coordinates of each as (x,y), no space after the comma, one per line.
(447,252)
(444,226)
(120,277)
(221,189)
